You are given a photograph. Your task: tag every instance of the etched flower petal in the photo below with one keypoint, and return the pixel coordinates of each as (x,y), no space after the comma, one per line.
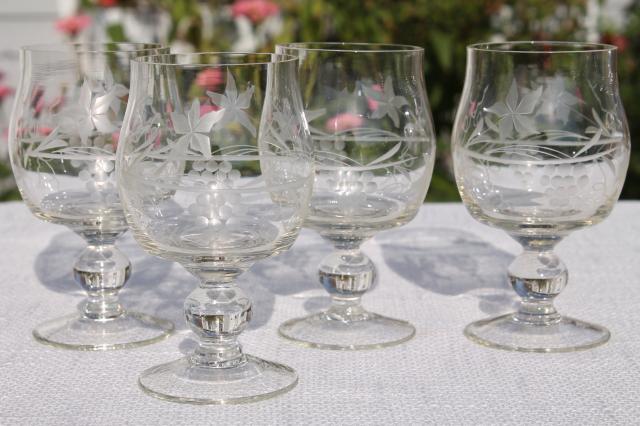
(512,96)
(230,90)
(491,125)
(524,125)
(529,101)
(499,109)
(506,127)
(102,104)
(388,88)
(379,112)
(180,123)
(85,96)
(208,120)
(399,101)
(201,143)
(103,124)
(393,113)
(243,119)
(244,100)
(194,114)
(311,115)
(218,99)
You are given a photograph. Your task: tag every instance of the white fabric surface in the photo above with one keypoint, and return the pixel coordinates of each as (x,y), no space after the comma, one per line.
(440,272)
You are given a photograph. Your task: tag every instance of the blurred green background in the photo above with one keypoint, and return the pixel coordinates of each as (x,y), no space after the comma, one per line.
(442,27)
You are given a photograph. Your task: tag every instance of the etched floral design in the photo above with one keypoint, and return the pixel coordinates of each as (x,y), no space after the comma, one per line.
(386,101)
(215,207)
(194,129)
(514,113)
(233,104)
(52,141)
(99,180)
(565,185)
(559,100)
(352,183)
(94,113)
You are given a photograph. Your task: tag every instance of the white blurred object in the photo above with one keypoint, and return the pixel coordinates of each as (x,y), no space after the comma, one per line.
(146,25)
(67,7)
(180,47)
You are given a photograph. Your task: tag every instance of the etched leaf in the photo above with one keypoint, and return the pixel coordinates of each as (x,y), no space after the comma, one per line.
(386,155)
(594,140)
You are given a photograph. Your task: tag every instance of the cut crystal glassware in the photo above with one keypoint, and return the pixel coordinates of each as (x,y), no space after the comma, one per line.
(374,150)
(215,173)
(540,148)
(64,130)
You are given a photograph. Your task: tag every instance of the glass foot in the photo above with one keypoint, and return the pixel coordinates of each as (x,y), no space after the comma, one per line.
(252,380)
(129,330)
(566,335)
(325,332)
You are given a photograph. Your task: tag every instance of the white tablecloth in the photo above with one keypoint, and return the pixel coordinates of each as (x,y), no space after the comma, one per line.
(440,272)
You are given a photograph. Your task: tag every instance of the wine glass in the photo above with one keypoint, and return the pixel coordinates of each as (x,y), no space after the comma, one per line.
(216,177)
(374,150)
(540,148)
(64,130)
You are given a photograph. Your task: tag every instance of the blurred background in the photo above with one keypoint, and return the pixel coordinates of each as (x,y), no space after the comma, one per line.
(442,27)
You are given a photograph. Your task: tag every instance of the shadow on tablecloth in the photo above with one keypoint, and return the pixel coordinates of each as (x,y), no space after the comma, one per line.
(157,286)
(295,272)
(451,262)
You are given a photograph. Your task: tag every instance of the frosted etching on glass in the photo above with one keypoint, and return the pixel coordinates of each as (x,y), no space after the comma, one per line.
(540,149)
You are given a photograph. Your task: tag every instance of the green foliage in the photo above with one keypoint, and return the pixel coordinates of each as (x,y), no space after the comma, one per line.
(629,74)
(444,28)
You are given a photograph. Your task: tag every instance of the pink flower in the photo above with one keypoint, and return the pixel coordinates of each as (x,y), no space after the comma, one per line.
(472,108)
(372,103)
(5,91)
(208,108)
(210,78)
(44,130)
(72,25)
(107,3)
(256,10)
(344,121)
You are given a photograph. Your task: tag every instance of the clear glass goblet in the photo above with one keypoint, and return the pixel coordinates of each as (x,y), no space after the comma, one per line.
(64,130)
(216,177)
(540,148)
(374,150)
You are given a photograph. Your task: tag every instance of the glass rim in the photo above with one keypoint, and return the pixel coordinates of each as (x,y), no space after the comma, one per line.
(556,47)
(274,58)
(93,47)
(349,47)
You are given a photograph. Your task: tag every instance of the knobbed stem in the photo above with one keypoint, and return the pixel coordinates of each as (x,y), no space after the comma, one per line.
(217,314)
(102,270)
(538,277)
(347,274)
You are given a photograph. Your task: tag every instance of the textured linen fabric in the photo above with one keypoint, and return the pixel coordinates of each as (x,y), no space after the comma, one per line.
(440,272)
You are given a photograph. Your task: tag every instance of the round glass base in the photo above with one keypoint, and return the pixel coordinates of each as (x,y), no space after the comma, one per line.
(506,332)
(252,380)
(129,330)
(325,332)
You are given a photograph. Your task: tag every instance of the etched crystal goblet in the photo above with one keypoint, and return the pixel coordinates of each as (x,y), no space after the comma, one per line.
(374,150)
(216,177)
(540,148)
(64,130)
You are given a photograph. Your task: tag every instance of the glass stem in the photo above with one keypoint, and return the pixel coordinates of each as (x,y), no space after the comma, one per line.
(538,276)
(217,313)
(102,270)
(347,274)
